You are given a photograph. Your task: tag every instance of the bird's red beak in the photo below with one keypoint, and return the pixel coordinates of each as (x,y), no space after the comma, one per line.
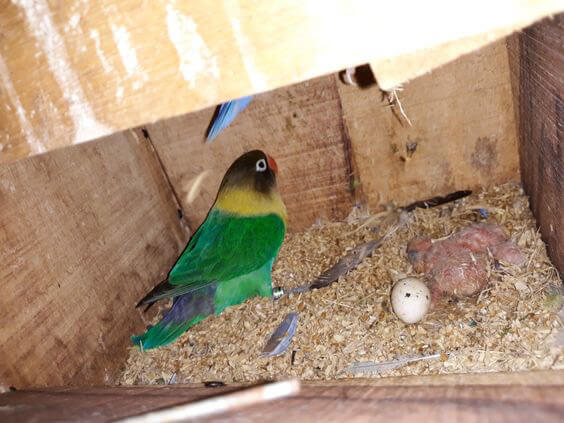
(272,163)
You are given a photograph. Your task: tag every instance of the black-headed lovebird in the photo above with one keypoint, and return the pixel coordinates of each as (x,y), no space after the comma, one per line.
(229,258)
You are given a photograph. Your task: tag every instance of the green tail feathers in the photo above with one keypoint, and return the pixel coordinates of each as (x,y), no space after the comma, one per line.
(163,334)
(186,311)
(193,307)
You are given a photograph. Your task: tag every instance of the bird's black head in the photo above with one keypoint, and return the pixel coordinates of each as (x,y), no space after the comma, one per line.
(255,170)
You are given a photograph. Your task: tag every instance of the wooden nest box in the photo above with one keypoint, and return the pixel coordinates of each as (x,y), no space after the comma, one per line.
(103,111)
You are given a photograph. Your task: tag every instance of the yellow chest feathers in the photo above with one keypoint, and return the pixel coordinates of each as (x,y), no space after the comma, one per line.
(248,202)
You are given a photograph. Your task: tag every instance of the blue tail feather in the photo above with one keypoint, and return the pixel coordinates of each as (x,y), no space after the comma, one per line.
(225,115)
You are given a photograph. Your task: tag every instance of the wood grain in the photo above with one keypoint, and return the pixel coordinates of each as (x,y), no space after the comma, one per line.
(85,232)
(75,71)
(463,129)
(337,401)
(395,71)
(300,126)
(532,377)
(538,75)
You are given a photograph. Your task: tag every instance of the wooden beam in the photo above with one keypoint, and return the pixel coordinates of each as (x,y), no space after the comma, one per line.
(85,232)
(81,70)
(458,397)
(538,68)
(529,378)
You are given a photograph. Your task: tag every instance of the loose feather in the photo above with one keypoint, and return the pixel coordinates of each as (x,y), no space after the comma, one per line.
(385,366)
(225,115)
(280,340)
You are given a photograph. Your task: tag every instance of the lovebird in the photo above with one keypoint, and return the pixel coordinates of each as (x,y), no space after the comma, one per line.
(230,256)
(225,115)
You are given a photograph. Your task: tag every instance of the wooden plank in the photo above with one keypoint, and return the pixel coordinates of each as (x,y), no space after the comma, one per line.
(394,71)
(300,126)
(220,404)
(334,401)
(538,73)
(75,71)
(85,232)
(463,129)
(533,377)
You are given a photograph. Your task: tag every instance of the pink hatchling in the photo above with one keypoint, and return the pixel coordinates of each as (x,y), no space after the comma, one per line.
(458,265)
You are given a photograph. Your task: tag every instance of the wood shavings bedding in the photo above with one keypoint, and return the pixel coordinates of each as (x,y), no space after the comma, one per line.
(510,326)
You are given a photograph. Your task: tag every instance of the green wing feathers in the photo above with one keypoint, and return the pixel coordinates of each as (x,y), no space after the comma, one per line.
(223,248)
(228,260)
(229,246)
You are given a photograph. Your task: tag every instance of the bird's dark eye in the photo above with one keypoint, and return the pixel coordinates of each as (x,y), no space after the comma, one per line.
(261,165)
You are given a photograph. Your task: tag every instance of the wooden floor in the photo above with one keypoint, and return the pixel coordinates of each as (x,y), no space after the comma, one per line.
(525,397)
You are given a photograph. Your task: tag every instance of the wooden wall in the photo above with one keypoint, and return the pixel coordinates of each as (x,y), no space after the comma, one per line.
(301,126)
(85,232)
(463,131)
(337,144)
(537,64)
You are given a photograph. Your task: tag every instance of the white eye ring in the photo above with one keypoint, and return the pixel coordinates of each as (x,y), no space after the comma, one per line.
(261,165)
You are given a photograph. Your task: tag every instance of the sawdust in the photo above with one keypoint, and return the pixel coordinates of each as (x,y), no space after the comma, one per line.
(510,326)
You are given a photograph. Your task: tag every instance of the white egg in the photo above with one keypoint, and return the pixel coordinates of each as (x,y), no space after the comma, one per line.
(410,299)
